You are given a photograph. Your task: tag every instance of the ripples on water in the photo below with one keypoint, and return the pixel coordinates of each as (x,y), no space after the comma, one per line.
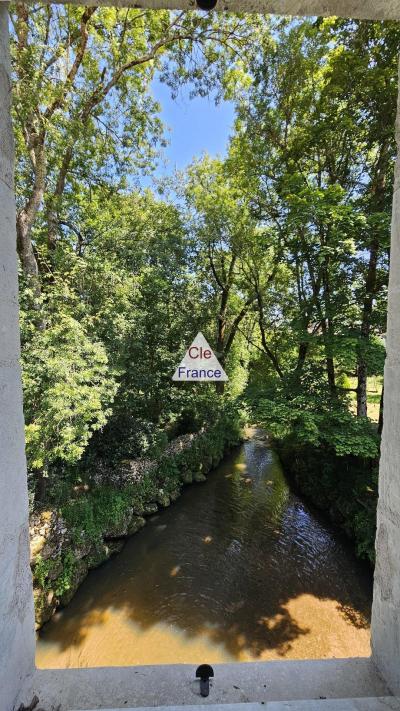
(238,569)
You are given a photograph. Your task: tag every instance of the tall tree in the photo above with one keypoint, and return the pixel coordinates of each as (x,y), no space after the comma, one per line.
(223,230)
(316,158)
(83,108)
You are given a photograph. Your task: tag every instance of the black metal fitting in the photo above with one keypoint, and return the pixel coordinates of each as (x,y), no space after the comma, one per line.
(204,672)
(206,4)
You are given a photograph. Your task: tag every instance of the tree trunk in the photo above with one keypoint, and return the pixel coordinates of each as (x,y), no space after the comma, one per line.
(380,421)
(41,481)
(361,390)
(220,387)
(362,370)
(377,203)
(301,359)
(330,365)
(328,327)
(25,248)
(27,215)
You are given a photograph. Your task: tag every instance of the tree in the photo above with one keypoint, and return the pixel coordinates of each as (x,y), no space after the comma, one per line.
(86,126)
(363,77)
(223,230)
(83,109)
(317,166)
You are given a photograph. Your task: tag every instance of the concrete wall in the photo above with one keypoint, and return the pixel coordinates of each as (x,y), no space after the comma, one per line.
(367,9)
(386,603)
(176,684)
(17,641)
(16,605)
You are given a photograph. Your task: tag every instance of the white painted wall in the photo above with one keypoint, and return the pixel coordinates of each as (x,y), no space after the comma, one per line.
(17,640)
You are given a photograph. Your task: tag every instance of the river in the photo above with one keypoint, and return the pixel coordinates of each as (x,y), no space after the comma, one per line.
(238,569)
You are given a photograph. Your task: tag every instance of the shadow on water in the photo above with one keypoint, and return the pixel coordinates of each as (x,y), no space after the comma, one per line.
(239,568)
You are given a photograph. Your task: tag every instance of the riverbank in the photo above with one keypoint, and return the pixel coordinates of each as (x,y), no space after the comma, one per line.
(331,456)
(345,488)
(69,541)
(239,569)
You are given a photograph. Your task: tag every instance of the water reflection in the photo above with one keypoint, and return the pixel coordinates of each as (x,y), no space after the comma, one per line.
(237,569)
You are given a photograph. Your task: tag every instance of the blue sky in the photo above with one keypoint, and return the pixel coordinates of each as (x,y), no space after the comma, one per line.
(196,125)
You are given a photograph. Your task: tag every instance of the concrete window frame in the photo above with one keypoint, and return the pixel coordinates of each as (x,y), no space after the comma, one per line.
(375,677)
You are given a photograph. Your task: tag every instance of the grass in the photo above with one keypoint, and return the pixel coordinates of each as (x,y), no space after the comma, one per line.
(374,390)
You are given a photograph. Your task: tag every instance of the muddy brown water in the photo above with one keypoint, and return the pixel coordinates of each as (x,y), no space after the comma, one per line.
(238,569)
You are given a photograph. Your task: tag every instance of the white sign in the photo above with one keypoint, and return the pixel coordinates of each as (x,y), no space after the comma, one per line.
(200,364)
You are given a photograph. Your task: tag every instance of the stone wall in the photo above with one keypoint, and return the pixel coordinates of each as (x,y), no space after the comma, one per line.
(64,550)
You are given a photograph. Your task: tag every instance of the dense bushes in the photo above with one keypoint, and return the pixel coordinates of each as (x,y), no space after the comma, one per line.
(332,457)
(308,419)
(345,487)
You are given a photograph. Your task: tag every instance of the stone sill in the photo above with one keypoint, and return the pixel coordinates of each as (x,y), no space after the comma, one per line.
(357,9)
(237,683)
(384,703)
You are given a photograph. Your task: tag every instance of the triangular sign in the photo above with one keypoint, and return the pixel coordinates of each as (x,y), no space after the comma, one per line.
(200,364)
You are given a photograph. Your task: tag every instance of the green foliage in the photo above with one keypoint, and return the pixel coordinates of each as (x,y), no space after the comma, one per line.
(320,424)
(277,252)
(65,578)
(91,513)
(41,570)
(345,487)
(364,530)
(332,456)
(68,390)
(97,512)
